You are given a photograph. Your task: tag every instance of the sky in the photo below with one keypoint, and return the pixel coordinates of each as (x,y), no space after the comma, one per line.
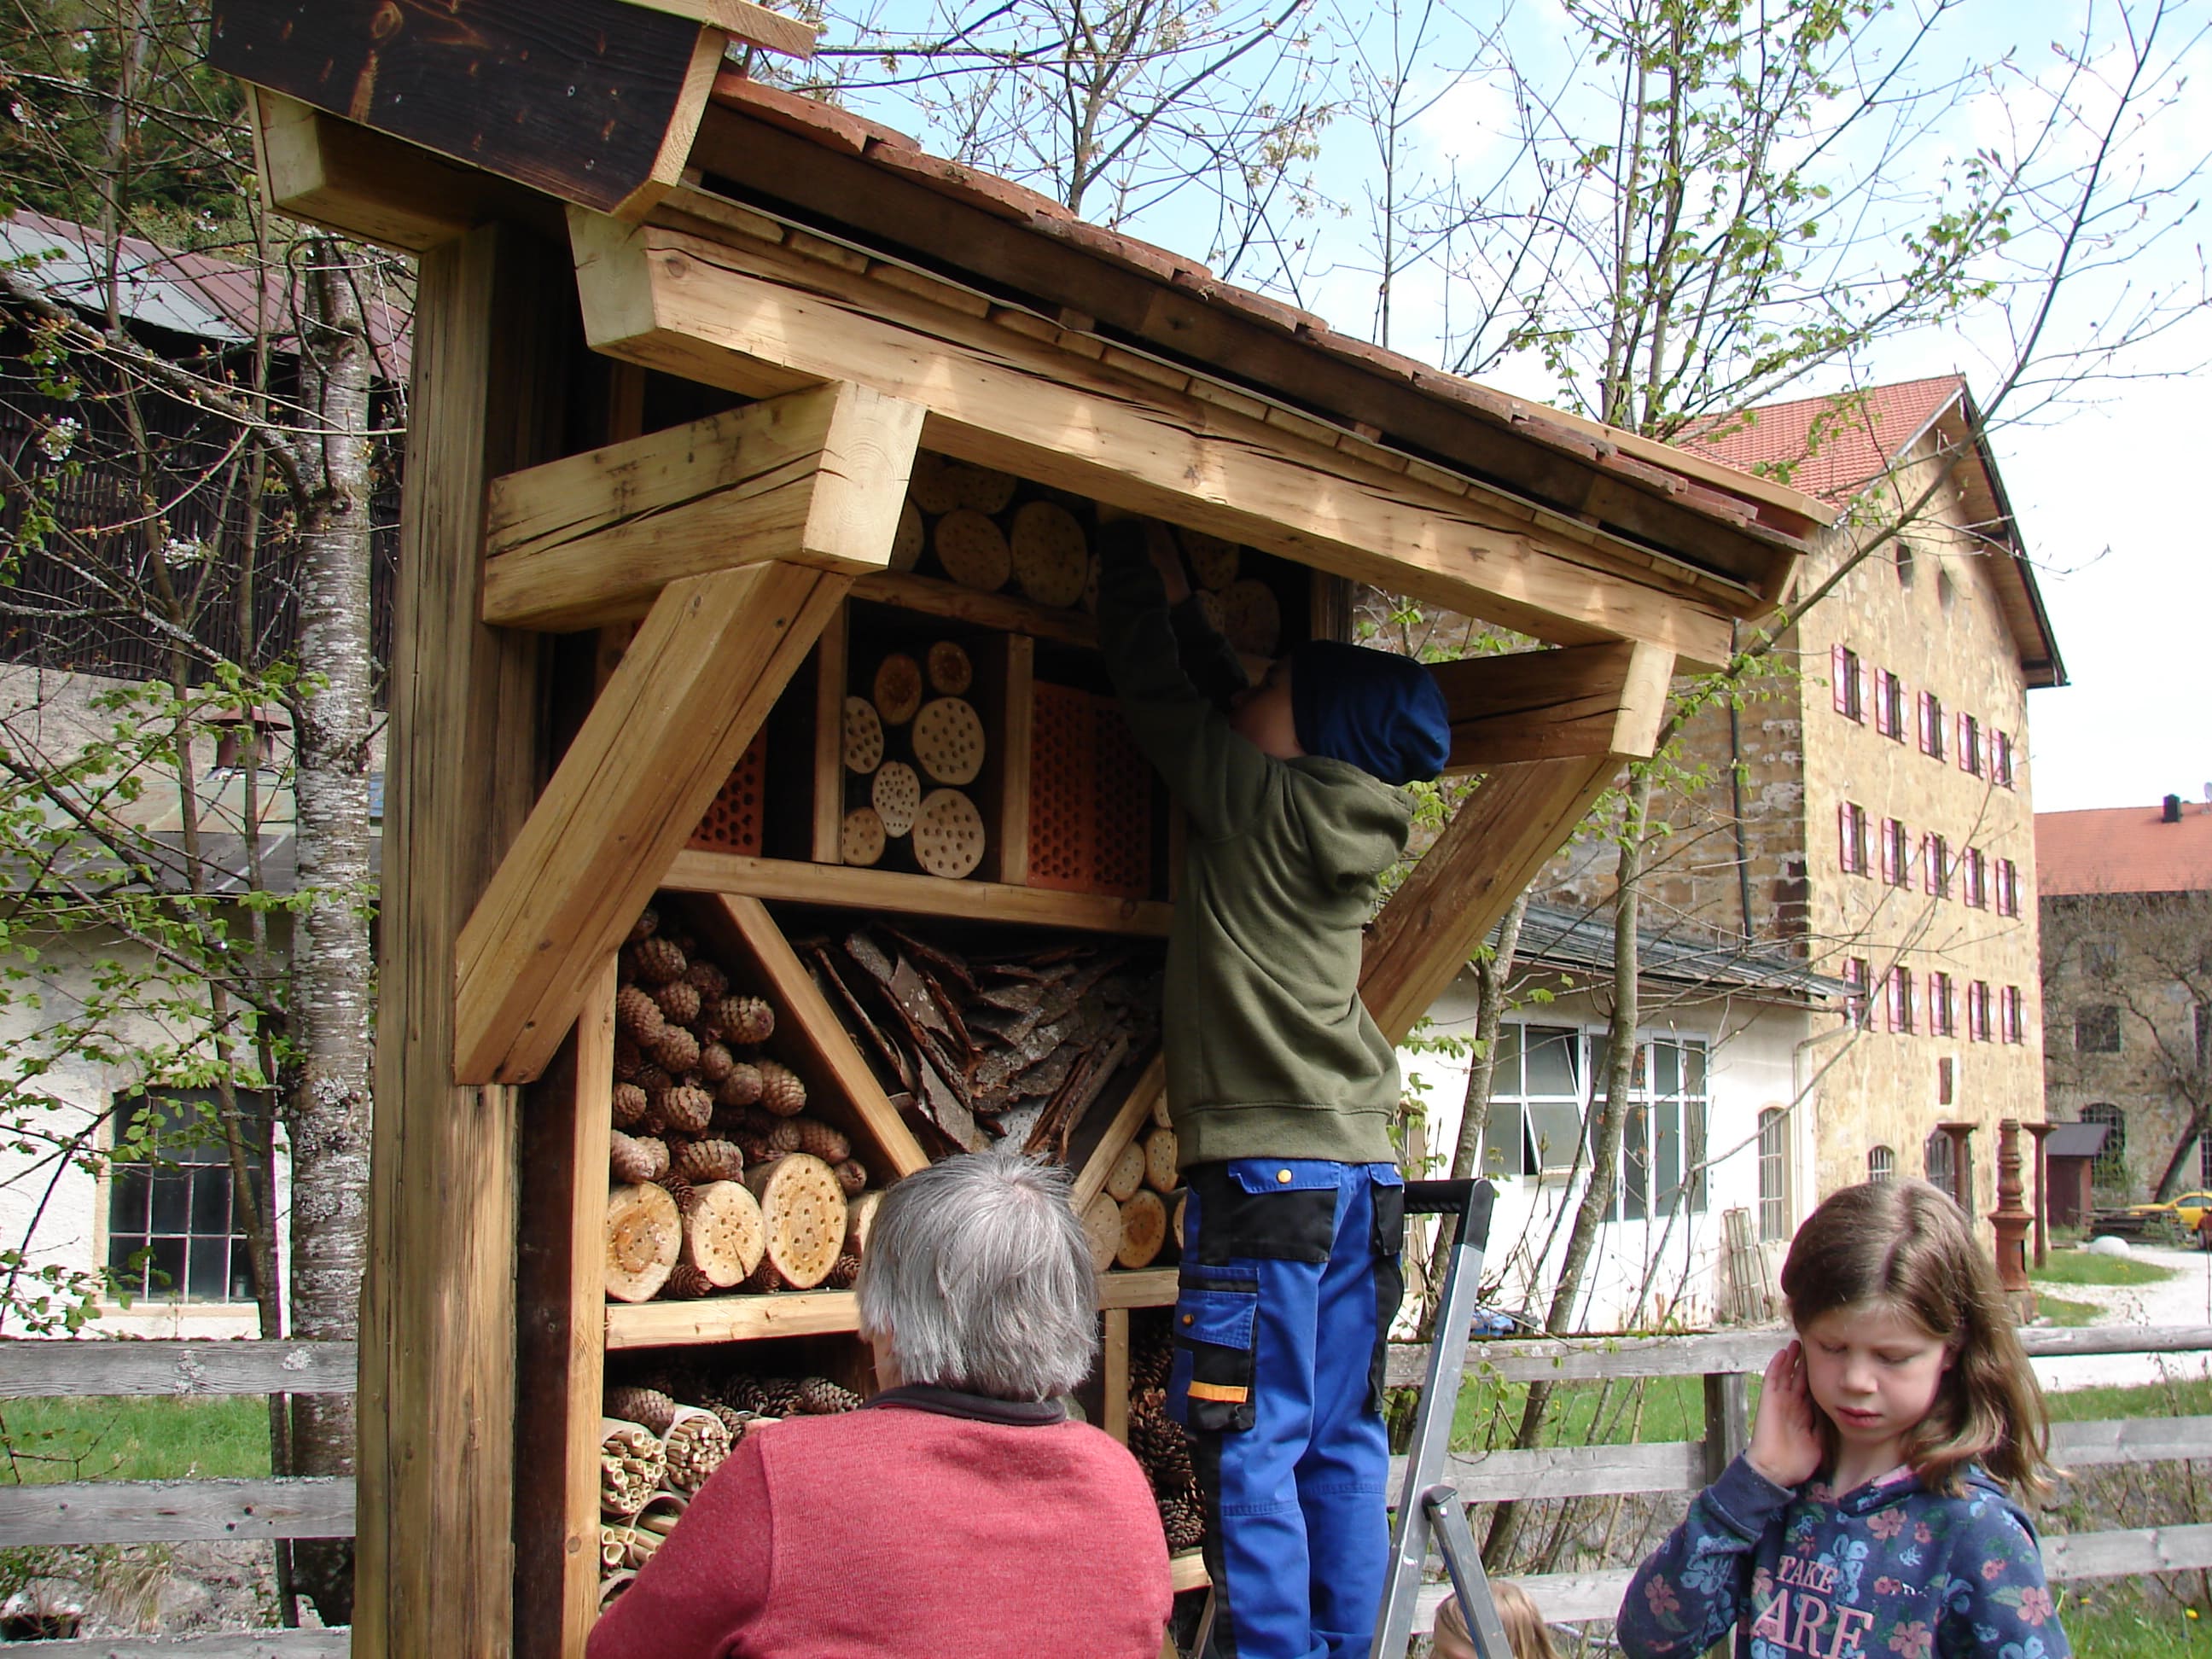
(2098,476)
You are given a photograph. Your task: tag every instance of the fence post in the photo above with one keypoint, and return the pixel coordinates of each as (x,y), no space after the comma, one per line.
(1728,1429)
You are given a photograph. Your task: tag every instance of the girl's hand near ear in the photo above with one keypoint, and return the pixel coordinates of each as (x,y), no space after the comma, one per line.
(1785,1439)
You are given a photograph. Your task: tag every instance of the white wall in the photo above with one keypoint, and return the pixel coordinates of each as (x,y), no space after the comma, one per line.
(1647,1273)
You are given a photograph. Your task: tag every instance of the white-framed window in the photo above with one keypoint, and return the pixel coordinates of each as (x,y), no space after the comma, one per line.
(1662,1144)
(1773,1174)
(174,1231)
(1537,1093)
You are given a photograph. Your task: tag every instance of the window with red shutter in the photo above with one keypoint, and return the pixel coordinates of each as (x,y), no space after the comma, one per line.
(1849,675)
(1931,725)
(2001,759)
(1936,879)
(2011,1026)
(1889,829)
(1970,744)
(1857,972)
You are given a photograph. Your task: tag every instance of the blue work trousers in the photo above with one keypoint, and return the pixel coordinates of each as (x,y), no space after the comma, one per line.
(1289,1279)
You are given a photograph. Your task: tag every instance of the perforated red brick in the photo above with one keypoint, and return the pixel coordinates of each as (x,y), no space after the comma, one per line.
(1090,797)
(732,819)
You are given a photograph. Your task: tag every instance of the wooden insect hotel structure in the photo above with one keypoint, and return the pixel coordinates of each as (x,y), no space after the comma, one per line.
(760,826)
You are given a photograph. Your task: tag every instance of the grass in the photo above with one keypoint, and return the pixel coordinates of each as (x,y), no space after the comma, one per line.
(2080,1268)
(2059,1311)
(2120,1620)
(152,1438)
(2185,1397)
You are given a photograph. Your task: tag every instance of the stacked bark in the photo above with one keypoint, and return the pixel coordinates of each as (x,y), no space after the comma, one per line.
(656,1451)
(913,744)
(982,1046)
(721,1180)
(989,530)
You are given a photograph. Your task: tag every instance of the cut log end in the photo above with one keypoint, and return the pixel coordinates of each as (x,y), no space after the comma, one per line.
(1144,1230)
(804,1214)
(1102,1229)
(1160,1148)
(645,1238)
(1127,1173)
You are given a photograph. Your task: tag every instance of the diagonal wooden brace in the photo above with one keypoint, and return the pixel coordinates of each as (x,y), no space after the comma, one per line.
(1517,817)
(1546,705)
(693,687)
(814,477)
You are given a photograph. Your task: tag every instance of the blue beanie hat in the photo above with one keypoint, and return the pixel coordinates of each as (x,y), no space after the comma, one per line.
(1379,712)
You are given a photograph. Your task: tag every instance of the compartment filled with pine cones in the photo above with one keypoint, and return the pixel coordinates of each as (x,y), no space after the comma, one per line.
(722,1180)
(1156,1441)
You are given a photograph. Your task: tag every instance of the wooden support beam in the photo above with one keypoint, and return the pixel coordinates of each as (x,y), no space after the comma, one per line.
(437,1331)
(559,1349)
(759,318)
(1546,705)
(1519,815)
(694,685)
(811,477)
(587,100)
(741,20)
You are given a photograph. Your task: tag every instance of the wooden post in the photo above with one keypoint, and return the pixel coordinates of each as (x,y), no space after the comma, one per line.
(2012,1224)
(435,1557)
(1728,1431)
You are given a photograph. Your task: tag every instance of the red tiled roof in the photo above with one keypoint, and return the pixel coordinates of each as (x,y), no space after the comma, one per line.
(2124,849)
(1831,447)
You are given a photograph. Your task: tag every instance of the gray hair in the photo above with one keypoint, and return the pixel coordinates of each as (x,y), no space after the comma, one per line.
(978,1277)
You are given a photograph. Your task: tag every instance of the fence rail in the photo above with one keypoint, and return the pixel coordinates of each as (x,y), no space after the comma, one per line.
(82,1512)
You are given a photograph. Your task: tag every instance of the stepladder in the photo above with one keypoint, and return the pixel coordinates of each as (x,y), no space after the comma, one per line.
(1429,1512)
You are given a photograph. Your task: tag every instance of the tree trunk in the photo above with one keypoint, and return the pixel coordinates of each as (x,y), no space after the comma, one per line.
(328,1113)
(1605,1141)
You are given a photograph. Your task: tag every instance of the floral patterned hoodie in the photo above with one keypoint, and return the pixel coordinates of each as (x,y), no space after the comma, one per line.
(1891,1570)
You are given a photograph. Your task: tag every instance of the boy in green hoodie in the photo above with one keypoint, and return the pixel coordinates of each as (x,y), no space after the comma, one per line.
(1280,1088)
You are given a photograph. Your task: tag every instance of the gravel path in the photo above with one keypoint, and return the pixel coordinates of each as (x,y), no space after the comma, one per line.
(2184,1300)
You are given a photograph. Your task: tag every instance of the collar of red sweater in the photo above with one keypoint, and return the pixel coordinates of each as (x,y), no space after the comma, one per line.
(975,1407)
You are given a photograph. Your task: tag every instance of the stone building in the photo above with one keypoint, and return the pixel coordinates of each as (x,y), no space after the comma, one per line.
(1866,803)
(2125,895)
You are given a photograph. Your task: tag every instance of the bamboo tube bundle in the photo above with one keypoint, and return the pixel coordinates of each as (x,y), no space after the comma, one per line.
(696,1446)
(611,1588)
(614,1548)
(631,1466)
(661,1513)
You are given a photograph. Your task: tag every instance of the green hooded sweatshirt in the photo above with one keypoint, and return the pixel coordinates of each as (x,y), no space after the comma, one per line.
(1270,1052)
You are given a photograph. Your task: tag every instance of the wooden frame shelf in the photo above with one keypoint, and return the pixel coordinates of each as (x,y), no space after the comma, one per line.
(855,888)
(717,1319)
(1007,613)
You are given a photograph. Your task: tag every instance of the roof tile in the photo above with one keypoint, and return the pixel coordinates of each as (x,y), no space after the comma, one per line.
(2124,849)
(1831,447)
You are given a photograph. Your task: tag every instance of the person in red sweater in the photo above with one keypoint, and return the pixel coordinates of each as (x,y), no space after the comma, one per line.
(960,1511)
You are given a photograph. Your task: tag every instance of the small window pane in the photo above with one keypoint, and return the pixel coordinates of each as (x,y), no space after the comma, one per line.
(1667,1184)
(166,1276)
(1666,1069)
(209,1280)
(130,1191)
(1503,1149)
(1550,1061)
(172,1190)
(1557,1128)
(1635,1175)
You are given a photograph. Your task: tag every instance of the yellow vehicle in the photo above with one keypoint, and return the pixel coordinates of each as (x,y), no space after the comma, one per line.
(2184,1214)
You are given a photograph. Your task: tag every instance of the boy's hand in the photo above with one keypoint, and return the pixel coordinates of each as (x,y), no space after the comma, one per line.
(1785,1439)
(1167,559)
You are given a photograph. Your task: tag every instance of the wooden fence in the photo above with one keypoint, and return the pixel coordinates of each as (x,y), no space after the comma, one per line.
(124,1511)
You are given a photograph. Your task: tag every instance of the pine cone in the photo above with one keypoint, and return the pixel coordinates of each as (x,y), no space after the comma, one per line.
(687,1108)
(819,1397)
(819,1140)
(630,1103)
(779,1396)
(843,1275)
(741,1393)
(715,1062)
(710,982)
(735,1421)
(781,1092)
(654,1081)
(765,1281)
(1183,1524)
(639,1015)
(647,1406)
(646,925)
(680,1190)
(1160,1445)
(678,1000)
(744,1022)
(686,1284)
(656,961)
(675,1049)
(1151,1357)
(629,1057)
(853,1177)
(636,1157)
(741,1087)
(702,1161)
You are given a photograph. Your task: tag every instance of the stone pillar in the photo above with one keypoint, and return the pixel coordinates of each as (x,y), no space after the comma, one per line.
(1962,1182)
(2041,1131)
(2012,1222)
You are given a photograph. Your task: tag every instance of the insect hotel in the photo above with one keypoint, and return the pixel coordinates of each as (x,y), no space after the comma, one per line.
(760,824)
